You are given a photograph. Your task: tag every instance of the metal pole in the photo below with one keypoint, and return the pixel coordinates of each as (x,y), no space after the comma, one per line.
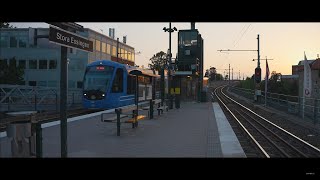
(38,140)
(258,51)
(258,66)
(162,86)
(265,86)
(229,74)
(117,49)
(169,73)
(137,97)
(63,102)
(118,112)
(232,75)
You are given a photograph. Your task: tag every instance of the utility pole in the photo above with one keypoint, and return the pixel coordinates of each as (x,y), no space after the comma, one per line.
(232,75)
(257,86)
(229,74)
(239,76)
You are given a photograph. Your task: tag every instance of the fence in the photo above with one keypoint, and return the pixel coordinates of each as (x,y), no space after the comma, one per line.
(26,98)
(290,104)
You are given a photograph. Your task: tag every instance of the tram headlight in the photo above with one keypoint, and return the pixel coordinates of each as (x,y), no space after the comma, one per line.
(84,94)
(103,95)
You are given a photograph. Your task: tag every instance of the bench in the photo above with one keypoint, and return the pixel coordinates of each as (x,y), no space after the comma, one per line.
(155,103)
(124,112)
(162,108)
(113,119)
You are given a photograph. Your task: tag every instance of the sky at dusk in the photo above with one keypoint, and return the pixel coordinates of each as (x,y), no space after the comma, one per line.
(285,43)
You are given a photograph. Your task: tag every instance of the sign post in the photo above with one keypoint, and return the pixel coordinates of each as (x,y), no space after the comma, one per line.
(66,39)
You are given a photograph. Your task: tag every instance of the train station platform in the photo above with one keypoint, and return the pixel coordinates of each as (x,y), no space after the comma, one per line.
(194,130)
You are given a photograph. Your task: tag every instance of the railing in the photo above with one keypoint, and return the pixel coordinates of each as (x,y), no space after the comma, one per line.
(290,104)
(26,98)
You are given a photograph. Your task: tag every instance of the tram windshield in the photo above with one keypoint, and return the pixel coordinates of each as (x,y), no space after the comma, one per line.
(97,78)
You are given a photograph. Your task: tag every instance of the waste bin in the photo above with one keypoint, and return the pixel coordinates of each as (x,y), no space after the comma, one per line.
(22,138)
(20,132)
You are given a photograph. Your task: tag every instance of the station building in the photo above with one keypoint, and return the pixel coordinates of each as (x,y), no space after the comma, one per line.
(189,64)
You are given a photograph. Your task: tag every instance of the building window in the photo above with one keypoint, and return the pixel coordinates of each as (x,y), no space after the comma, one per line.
(128,55)
(43,83)
(33,64)
(120,52)
(125,54)
(98,45)
(22,64)
(79,84)
(52,83)
(103,46)
(42,64)
(108,49)
(114,51)
(23,42)
(32,83)
(53,64)
(4,41)
(13,42)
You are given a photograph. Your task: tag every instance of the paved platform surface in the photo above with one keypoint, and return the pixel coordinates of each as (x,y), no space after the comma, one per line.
(191,131)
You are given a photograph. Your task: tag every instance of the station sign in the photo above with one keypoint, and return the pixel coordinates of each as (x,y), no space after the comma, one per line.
(68,39)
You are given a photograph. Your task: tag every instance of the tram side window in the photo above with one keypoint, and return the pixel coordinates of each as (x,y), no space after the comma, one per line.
(118,82)
(131,85)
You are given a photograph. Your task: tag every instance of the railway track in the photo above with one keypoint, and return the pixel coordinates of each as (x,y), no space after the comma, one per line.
(267,139)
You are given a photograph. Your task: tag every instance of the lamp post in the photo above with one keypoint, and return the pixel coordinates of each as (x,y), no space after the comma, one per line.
(170,30)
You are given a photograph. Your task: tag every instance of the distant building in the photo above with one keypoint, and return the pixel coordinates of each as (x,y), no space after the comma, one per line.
(298,68)
(315,75)
(41,59)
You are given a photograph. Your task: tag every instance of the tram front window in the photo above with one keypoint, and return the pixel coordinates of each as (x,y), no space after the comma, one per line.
(96,81)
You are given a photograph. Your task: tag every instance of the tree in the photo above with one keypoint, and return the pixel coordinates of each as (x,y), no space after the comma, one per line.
(11,74)
(248,83)
(158,61)
(5,25)
(275,77)
(218,77)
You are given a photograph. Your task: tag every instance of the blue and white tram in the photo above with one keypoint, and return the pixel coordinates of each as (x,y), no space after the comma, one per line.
(108,84)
